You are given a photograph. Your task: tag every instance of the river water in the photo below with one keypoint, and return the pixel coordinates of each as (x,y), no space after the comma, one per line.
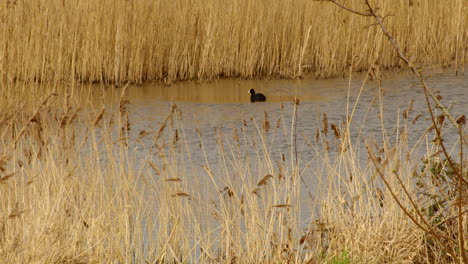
(224,105)
(222,109)
(218,145)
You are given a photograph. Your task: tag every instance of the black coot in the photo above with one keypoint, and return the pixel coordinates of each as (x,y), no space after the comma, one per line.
(256,97)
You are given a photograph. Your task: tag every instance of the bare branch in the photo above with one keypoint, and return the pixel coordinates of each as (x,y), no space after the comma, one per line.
(372,12)
(349,9)
(429,229)
(410,65)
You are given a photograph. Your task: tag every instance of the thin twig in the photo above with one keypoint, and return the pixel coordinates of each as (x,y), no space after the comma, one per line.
(380,173)
(296,102)
(428,93)
(349,9)
(429,229)
(461,239)
(411,67)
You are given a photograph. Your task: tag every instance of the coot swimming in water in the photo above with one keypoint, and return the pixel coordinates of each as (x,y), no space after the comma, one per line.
(256,97)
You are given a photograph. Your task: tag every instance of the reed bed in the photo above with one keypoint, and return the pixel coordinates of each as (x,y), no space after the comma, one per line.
(82,187)
(119,41)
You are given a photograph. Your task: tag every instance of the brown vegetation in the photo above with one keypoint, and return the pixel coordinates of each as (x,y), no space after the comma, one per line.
(119,41)
(74,190)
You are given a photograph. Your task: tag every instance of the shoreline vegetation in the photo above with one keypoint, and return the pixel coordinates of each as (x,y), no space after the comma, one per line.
(135,41)
(76,187)
(79,186)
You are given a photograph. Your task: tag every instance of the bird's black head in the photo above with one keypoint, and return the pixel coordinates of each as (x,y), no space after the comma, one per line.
(252,91)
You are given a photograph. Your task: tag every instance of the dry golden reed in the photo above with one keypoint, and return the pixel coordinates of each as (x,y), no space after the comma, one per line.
(119,40)
(89,203)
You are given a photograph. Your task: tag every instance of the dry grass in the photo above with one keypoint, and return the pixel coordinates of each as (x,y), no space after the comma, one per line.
(77,187)
(73,189)
(119,41)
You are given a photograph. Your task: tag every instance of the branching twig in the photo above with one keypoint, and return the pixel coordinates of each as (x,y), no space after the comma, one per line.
(429,228)
(349,9)
(413,69)
(372,12)
(428,92)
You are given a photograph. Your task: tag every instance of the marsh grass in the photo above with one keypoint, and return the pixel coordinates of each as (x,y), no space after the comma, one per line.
(80,186)
(118,41)
(75,189)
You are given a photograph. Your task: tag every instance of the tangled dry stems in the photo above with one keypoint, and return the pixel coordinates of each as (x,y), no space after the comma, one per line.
(70,193)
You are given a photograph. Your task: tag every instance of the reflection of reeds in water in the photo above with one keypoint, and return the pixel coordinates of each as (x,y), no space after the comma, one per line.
(88,203)
(118,41)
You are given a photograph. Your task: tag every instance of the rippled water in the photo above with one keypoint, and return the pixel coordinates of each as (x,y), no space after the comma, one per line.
(224,106)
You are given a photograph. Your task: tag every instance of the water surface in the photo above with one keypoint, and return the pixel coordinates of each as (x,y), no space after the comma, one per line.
(221,108)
